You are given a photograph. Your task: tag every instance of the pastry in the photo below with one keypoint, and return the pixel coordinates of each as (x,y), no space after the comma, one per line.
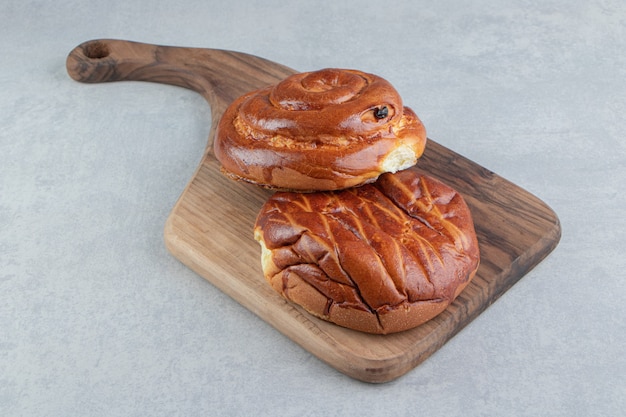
(325,130)
(380,258)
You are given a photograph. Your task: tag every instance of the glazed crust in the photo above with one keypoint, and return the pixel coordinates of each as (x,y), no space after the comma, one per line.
(381,258)
(324,130)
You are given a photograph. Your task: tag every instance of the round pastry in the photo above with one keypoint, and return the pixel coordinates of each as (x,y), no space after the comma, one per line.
(381,258)
(324,130)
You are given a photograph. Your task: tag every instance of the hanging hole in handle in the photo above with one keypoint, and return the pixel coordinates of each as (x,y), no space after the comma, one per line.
(96,50)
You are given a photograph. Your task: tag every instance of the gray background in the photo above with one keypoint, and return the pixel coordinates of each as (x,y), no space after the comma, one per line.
(96,318)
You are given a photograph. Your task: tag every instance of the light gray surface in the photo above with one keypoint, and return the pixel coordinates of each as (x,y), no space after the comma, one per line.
(96,318)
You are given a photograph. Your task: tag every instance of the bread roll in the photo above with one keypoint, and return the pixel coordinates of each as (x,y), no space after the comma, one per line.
(381,258)
(324,130)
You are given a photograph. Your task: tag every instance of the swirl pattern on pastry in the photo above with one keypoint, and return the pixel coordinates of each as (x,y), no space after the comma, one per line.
(380,258)
(324,130)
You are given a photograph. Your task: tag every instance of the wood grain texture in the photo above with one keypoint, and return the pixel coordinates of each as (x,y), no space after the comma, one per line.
(210,227)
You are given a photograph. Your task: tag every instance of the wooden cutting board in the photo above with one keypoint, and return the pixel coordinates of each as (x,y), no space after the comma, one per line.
(210,227)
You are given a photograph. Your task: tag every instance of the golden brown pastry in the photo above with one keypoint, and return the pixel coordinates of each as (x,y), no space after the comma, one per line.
(381,258)
(324,130)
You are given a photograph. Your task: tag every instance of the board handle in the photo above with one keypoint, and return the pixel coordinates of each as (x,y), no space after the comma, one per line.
(105,60)
(218,75)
